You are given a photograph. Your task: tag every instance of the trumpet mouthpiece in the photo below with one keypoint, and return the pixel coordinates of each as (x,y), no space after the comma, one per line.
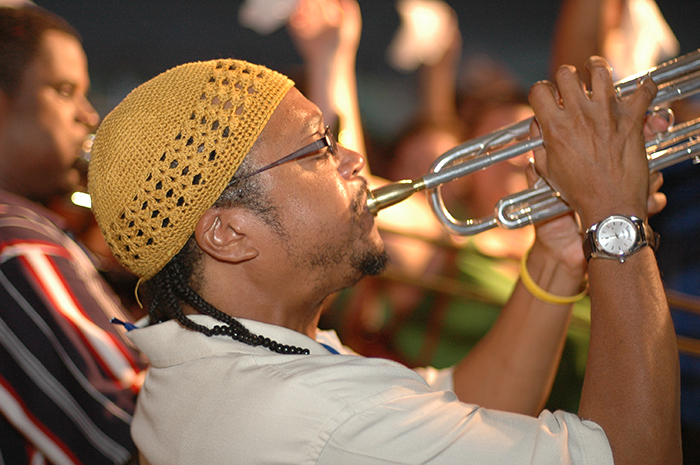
(392,194)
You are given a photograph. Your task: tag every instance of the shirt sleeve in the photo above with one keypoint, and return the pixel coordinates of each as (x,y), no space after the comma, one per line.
(68,378)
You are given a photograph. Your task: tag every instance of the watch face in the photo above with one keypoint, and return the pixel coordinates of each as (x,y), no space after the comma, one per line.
(616,235)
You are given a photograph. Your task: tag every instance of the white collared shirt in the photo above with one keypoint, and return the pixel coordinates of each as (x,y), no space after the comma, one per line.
(215,400)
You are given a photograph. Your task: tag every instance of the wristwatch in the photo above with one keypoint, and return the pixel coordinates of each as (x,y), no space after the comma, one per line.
(618,237)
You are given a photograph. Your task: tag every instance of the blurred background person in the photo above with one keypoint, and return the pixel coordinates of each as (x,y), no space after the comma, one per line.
(68,377)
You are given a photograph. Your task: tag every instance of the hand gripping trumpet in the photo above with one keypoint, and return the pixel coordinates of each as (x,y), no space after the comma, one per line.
(676,79)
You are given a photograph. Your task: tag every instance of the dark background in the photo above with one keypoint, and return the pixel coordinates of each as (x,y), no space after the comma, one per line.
(128,42)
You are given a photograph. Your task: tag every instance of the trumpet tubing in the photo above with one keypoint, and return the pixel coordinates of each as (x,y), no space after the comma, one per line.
(676,79)
(541,202)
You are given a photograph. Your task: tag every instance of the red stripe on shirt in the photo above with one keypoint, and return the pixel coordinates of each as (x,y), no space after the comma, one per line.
(48,293)
(38,424)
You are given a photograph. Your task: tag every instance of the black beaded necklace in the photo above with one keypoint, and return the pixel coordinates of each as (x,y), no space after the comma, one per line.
(242,334)
(232,327)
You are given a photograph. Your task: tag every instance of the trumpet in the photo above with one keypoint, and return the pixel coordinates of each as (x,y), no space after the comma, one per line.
(676,79)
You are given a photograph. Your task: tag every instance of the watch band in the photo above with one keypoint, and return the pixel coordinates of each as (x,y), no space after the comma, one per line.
(645,237)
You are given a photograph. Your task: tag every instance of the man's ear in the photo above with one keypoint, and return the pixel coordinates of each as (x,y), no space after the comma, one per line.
(221,233)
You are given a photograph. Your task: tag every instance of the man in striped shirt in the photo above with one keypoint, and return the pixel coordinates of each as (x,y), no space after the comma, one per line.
(68,378)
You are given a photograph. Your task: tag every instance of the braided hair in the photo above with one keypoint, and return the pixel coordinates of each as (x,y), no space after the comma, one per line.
(179,280)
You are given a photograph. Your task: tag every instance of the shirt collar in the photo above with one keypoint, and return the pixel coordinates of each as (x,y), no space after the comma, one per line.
(168,343)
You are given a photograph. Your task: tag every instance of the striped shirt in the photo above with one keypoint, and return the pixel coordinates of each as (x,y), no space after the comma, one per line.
(68,378)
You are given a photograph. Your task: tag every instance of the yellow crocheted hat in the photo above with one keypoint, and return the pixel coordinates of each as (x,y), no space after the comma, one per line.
(165,154)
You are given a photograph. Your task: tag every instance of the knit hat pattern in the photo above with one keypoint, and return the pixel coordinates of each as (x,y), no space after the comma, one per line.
(166,153)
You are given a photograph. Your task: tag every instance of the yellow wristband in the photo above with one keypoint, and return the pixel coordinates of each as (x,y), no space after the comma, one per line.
(539,293)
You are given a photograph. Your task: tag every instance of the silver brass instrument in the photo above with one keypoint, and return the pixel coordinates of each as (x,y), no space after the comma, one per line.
(676,79)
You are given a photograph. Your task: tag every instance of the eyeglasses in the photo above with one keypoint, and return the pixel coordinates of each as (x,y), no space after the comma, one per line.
(326,141)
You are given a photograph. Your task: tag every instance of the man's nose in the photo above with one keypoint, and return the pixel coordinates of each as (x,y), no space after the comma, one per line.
(87,114)
(351,162)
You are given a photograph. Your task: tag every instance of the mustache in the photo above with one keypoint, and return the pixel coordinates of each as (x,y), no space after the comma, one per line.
(359,201)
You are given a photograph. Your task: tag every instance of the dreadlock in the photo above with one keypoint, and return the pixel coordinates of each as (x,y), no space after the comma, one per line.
(179,280)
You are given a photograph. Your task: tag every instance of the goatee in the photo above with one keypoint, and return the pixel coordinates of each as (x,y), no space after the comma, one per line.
(371,263)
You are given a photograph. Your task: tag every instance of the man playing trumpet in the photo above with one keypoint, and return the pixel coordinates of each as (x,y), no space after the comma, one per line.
(240,244)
